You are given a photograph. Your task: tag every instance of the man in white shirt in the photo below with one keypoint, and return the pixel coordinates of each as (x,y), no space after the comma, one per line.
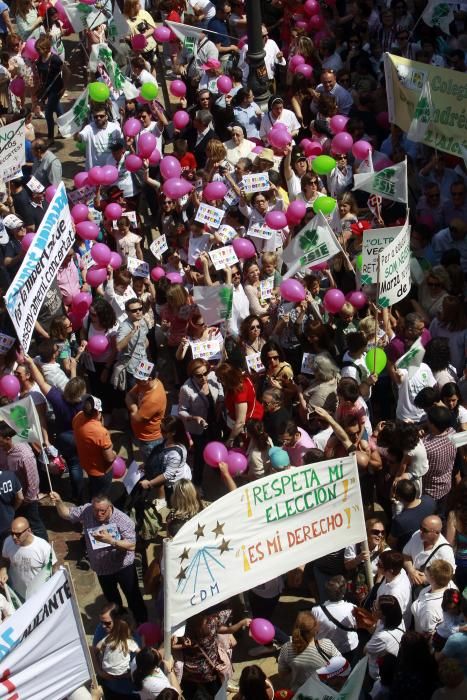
(424,547)
(336,621)
(273,56)
(330,86)
(27,560)
(98,136)
(396,581)
(454,236)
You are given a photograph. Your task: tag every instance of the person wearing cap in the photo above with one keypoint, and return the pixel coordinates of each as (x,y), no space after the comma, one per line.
(98,136)
(36,207)
(277,113)
(295,167)
(212,71)
(13,253)
(21,200)
(146,403)
(335,673)
(190,63)
(46,167)
(94,445)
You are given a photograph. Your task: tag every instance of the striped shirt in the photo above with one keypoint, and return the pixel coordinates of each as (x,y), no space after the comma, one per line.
(304,665)
(441,454)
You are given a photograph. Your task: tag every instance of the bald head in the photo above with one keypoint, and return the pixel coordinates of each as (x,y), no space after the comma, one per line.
(432,522)
(21,532)
(20,524)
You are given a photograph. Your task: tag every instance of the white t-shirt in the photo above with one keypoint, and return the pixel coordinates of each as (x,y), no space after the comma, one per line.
(287,117)
(408,390)
(97,142)
(381,643)
(401,589)
(116,661)
(209,10)
(414,549)
(153,685)
(26,562)
(342,612)
(427,611)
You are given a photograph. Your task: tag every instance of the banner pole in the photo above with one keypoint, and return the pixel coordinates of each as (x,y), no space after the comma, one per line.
(79,624)
(168,574)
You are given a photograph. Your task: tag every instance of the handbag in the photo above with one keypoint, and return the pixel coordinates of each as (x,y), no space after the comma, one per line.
(118,378)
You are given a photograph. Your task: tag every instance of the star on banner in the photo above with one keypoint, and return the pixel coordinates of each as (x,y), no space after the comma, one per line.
(224,546)
(184,554)
(200,531)
(219,529)
(182,573)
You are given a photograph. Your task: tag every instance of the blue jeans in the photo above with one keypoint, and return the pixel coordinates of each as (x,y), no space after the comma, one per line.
(147,446)
(52,105)
(65,444)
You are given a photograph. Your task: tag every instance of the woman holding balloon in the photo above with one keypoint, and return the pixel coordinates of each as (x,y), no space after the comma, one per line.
(142,26)
(101,322)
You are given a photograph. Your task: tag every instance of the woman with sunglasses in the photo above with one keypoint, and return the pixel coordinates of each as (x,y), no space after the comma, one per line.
(197,407)
(355,558)
(432,292)
(278,372)
(197,330)
(264,308)
(240,400)
(251,332)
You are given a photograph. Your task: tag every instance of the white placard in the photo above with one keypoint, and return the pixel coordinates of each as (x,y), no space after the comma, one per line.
(196,246)
(34,185)
(212,216)
(84,194)
(255,182)
(258,230)
(265,288)
(12,150)
(226,233)
(159,246)
(223,257)
(132,476)
(231,198)
(6,342)
(110,528)
(207,349)
(308,363)
(394,269)
(86,261)
(374,241)
(131,216)
(254,364)
(137,267)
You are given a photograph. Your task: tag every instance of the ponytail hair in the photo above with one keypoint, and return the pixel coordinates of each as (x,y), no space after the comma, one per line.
(146,661)
(304,631)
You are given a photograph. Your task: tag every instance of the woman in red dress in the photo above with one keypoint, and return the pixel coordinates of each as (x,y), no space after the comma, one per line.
(240,399)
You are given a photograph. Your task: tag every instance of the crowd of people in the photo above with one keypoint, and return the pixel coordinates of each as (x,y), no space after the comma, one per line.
(169,320)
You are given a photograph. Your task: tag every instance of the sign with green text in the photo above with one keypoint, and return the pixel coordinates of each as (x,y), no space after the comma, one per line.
(394,269)
(260,531)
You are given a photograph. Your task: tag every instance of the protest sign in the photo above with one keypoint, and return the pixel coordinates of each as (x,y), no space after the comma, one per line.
(207,349)
(226,233)
(254,364)
(12,150)
(223,257)
(6,342)
(413,358)
(196,246)
(265,288)
(86,261)
(374,241)
(209,215)
(405,80)
(84,194)
(40,265)
(260,531)
(308,363)
(231,198)
(74,120)
(22,417)
(215,303)
(159,246)
(137,267)
(258,230)
(394,269)
(315,243)
(40,637)
(256,182)
(132,476)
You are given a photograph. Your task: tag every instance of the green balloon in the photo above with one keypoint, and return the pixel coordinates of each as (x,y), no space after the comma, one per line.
(359,261)
(376,360)
(325,205)
(98,92)
(322,165)
(149,91)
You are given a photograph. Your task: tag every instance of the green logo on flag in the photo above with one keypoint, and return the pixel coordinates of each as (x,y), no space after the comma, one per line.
(366,279)
(19,416)
(407,360)
(308,240)
(439,13)
(80,110)
(422,110)
(383,302)
(226,301)
(384,181)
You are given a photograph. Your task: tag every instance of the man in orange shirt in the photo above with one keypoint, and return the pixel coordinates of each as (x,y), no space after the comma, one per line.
(94,446)
(146,403)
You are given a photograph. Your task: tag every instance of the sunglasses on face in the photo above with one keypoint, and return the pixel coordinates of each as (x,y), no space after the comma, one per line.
(377,533)
(200,375)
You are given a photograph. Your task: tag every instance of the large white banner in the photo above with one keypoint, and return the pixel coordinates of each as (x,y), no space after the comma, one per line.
(374,241)
(41,656)
(12,150)
(394,269)
(49,246)
(260,531)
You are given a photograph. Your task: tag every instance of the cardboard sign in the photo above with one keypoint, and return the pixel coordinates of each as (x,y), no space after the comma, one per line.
(255,182)
(159,246)
(209,215)
(223,257)
(137,267)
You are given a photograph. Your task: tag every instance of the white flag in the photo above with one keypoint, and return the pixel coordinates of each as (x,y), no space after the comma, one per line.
(73,121)
(22,417)
(439,14)
(117,26)
(390,183)
(101,55)
(184,31)
(422,116)
(77,14)
(315,243)
(42,654)
(413,358)
(366,166)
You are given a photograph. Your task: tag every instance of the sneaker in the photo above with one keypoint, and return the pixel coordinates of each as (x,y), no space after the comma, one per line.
(160,503)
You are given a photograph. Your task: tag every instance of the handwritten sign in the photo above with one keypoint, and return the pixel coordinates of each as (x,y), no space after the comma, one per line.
(159,246)
(258,230)
(6,342)
(260,531)
(231,198)
(255,182)
(254,363)
(34,185)
(86,260)
(374,241)
(207,349)
(223,257)
(137,267)
(394,269)
(82,194)
(212,216)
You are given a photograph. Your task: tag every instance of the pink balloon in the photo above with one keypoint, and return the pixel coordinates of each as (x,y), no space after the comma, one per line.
(279,138)
(361,149)
(175,187)
(333,301)
(133,163)
(301,24)
(170,167)
(292,290)
(262,630)
(296,211)
(80,303)
(258,149)
(181,119)
(316,22)
(150,631)
(109,174)
(98,345)
(96,275)
(305,69)
(95,175)
(79,213)
(214,190)
(224,84)
(119,464)
(162,34)
(80,180)
(311,7)
(313,148)
(357,299)
(115,260)
(132,127)
(215,452)
(87,230)
(76,320)
(295,61)
(338,123)
(146,144)
(138,42)
(278,126)
(276,220)
(29,50)
(17,86)
(101,253)
(10,386)
(155,157)
(157,273)
(113,211)
(27,240)
(243,248)
(174,278)
(237,463)
(177,88)
(50,193)
(342,143)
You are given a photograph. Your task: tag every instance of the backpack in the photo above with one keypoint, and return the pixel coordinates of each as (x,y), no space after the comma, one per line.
(154,464)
